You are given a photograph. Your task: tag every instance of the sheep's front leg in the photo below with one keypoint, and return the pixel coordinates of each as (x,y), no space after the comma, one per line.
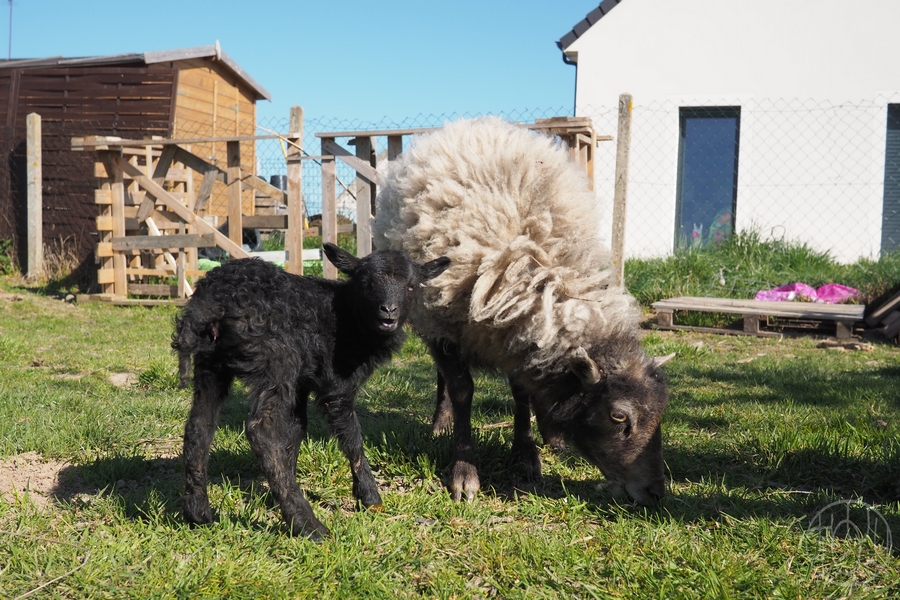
(341,416)
(460,388)
(274,429)
(210,389)
(524,449)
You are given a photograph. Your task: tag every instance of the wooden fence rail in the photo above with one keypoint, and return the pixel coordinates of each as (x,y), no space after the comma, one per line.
(151,219)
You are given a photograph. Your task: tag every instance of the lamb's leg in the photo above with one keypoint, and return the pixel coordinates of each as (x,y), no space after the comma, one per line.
(460,389)
(344,425)
(274,432)
(210,388)
(443,410)
(524,449)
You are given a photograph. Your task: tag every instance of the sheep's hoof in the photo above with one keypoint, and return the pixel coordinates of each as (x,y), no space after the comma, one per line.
(376,508)
(442,422)
(464,481)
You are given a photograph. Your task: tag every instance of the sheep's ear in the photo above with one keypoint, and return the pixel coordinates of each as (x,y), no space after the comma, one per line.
(585,368)
(433,268)
(343,260)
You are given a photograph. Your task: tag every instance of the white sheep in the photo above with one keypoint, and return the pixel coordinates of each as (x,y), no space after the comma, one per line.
(530,293)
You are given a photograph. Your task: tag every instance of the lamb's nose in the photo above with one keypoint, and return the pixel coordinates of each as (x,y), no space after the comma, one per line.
(389,310)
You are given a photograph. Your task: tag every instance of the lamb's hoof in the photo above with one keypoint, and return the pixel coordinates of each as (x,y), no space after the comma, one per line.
(464,482)
(313,530)
(376,508)
(197,510)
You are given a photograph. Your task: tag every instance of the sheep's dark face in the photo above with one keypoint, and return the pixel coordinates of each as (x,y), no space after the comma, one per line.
(385,283)
(619,428)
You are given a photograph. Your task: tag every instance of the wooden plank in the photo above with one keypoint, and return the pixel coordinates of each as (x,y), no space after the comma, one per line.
(265,221)
(205,190)
(294,197)
(776,309)
(113,160)
(235,227)
(182,211)
(151,242)
(152,289)
(192,161)
(718,330)
(105,142)
(376,132)
(103,250)
(145,209)
(882,310)
(163,271)
(102,197)
(329,207)
(106,276)
(395,146)
(620,204)
(665,318)
(365,195)
(163,164)
(329,146)
(249,180)
(34,195)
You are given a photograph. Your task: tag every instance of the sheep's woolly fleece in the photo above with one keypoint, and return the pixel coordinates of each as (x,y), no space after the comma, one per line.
(530,278)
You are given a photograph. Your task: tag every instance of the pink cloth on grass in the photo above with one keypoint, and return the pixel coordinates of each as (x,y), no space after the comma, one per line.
(830,293)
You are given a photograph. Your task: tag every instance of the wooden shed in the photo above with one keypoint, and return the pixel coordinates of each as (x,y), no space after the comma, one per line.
(191,92)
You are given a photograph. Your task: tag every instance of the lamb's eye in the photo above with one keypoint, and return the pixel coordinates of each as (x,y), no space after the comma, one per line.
(410,289)
(618,417)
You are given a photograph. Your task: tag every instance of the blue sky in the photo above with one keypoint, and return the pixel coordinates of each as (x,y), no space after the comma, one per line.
(347,59)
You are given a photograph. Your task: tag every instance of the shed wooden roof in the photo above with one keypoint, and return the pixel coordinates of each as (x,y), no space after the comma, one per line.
(147,58)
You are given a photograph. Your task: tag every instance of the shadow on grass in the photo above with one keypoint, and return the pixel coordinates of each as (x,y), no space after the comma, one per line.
(742,483)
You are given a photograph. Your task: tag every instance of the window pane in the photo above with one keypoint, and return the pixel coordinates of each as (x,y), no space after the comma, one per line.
(890,216)
(707,174)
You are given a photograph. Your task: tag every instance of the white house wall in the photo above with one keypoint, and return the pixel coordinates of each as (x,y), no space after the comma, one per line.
(813,79)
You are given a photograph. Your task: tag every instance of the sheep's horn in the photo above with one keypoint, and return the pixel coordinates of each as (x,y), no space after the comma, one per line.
(661,360)
(585,368)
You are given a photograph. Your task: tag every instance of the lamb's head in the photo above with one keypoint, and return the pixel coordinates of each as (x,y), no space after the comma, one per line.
(618,428)
(384,283)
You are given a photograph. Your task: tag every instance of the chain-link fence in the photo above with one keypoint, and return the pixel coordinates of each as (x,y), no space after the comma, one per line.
(271,154)
(821,173)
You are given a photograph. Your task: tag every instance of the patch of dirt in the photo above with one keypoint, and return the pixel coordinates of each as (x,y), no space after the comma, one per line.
(123,380)
(42,480)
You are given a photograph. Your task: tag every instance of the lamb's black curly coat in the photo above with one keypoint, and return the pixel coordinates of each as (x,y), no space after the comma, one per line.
(286,336)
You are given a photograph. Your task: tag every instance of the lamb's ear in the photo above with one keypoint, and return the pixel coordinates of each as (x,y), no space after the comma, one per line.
(661,360)
(433,268)
(585,368)
(343,260)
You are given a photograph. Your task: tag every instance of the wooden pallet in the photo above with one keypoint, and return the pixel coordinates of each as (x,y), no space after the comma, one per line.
(755,312)
(886,318)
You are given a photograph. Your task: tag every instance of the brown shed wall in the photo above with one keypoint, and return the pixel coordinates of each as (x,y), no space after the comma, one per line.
(121,100)
(211,102)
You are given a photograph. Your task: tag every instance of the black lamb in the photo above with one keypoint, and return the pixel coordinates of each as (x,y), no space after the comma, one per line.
(286,336)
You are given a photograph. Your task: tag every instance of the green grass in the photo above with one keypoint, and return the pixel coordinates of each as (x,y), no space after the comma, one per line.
(754,449)
(746,264)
